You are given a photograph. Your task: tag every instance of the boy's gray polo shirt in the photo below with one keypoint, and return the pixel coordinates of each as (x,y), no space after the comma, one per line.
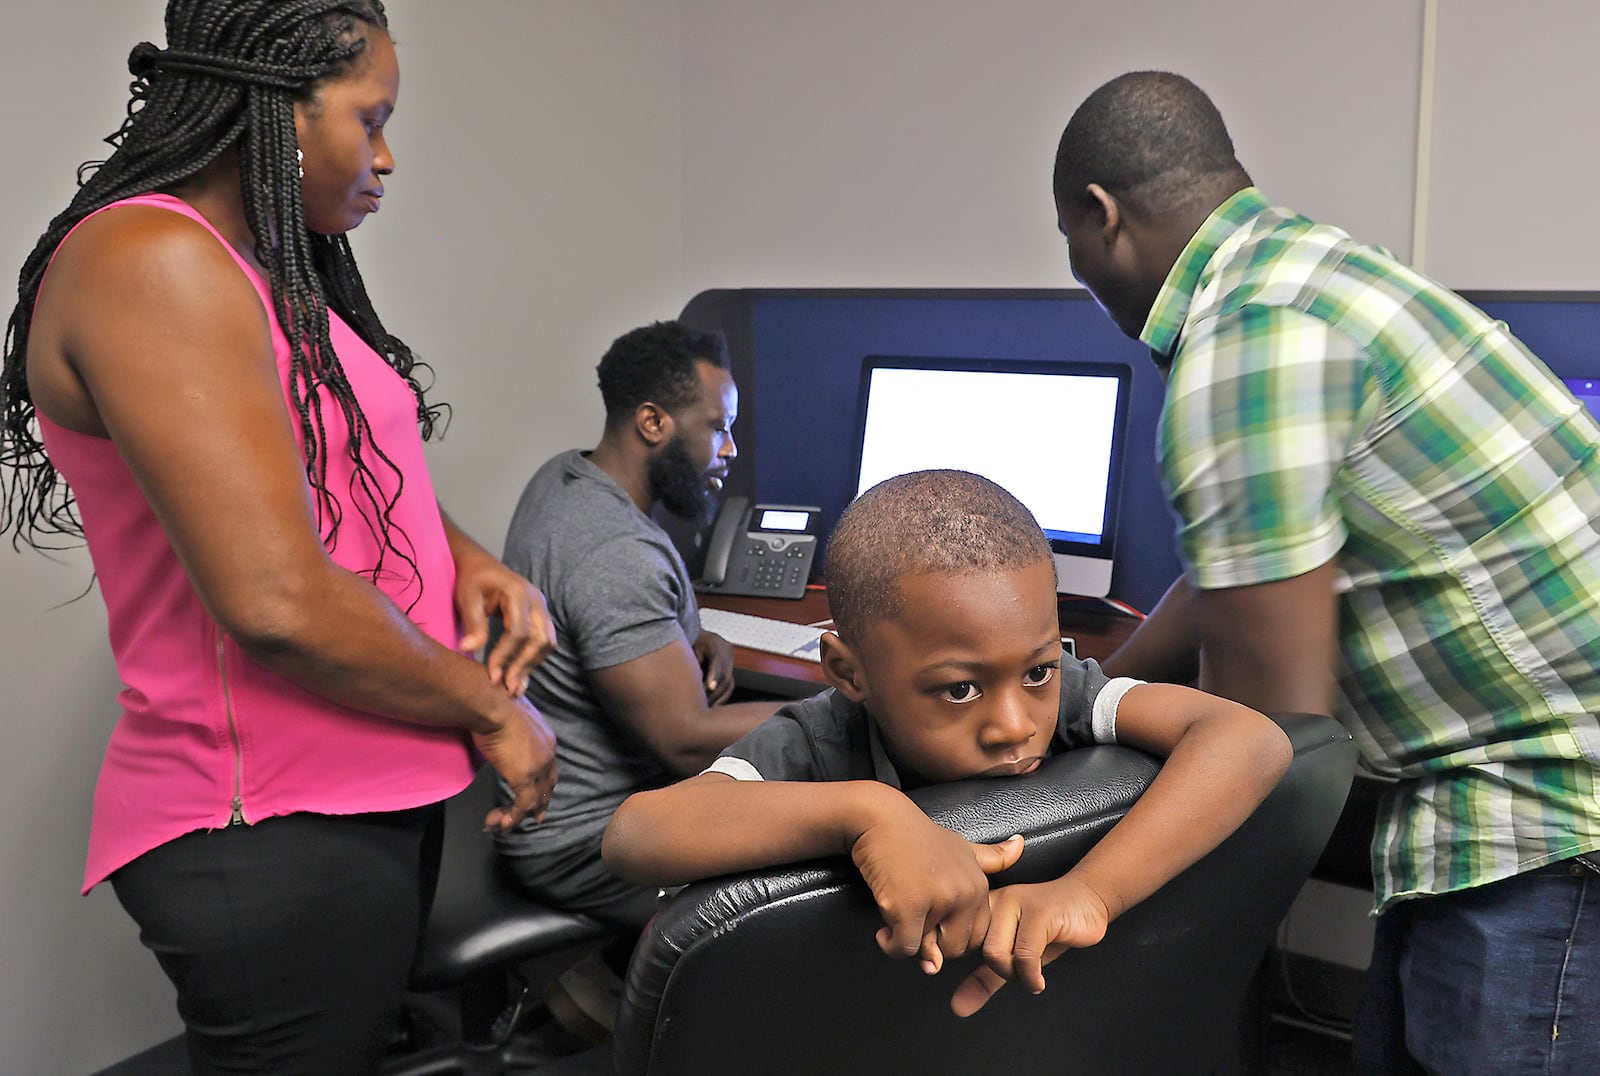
(829,738)
(617,590)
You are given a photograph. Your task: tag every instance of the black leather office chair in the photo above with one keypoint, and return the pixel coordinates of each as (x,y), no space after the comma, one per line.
(778,971)
(486,953)
(1347,859)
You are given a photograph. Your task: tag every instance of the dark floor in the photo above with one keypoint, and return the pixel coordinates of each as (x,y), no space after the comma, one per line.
(1289,1051)
(1295,1051)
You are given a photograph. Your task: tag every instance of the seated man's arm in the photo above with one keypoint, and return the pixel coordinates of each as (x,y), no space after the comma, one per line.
(661,699)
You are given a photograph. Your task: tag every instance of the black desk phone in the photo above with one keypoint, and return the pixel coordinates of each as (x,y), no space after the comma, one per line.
(762,550)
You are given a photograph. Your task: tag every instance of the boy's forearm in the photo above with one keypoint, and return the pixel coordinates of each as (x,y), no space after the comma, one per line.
(712,824)
(1215,777)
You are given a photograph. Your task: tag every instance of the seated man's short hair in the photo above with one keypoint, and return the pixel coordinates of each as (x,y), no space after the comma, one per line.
(656,364)
(925,521)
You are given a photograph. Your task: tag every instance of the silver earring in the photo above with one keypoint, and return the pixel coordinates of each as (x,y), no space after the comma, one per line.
(300,156)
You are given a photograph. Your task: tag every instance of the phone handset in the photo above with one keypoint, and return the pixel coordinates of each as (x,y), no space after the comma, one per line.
(730,525)
(760,550)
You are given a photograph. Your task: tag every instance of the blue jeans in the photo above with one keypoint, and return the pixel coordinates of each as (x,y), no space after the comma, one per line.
(1503,979)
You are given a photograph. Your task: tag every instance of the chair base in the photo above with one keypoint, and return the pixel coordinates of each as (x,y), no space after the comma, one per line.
(494,1024)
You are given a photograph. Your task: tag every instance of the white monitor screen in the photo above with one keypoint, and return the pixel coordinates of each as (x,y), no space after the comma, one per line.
(1047,432)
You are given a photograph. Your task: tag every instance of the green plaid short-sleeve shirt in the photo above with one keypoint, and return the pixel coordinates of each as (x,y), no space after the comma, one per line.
(1326,402)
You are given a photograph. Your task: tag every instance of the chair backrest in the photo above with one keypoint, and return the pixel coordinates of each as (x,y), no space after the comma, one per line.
(777,971)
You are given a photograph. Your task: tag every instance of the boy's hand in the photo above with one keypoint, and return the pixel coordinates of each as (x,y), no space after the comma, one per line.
(931,885)
(1029,926)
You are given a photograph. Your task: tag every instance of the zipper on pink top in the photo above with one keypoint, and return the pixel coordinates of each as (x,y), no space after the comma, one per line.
(237,817)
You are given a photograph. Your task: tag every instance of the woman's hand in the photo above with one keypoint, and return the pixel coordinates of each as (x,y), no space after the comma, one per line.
(485,587)
(523,751)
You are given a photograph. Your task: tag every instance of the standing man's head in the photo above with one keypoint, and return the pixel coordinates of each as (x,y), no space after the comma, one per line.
(1142,163)
(670,408)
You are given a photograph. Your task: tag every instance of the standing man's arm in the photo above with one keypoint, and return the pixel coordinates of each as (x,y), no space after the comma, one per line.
(1264,405)
(1272,646)
(1165,647)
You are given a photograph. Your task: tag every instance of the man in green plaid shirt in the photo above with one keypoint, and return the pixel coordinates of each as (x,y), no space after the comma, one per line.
(1389,511)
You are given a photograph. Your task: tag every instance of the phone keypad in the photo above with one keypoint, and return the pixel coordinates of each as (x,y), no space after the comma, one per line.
(771,570)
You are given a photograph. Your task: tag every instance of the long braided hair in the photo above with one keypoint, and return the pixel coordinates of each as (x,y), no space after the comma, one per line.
(230,77)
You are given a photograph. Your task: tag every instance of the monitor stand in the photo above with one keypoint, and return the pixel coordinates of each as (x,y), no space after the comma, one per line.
(1086,576)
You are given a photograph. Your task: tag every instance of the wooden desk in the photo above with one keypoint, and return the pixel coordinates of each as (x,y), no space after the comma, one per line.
(1096,633)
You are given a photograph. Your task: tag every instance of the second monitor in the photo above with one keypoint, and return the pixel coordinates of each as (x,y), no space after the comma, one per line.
(1052,433)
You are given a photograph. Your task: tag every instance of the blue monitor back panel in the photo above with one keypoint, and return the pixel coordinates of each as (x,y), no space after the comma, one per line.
(1561,327)
(797,357)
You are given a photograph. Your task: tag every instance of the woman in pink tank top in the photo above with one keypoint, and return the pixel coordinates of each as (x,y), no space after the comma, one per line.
(194,356)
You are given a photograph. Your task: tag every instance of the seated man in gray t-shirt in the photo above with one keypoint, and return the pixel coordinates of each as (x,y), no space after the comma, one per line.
(635,691)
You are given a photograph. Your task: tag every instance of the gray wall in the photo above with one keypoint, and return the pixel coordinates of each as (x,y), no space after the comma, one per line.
(1512,202)
(884,143)
(570,168)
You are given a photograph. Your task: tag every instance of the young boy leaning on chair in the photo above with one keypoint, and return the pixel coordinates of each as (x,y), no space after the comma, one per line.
(947,664)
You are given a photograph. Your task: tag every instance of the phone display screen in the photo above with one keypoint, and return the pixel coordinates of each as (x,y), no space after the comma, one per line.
(783,519)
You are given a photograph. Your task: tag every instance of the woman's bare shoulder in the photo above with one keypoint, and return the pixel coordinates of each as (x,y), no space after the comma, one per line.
(141,245)
(143,264)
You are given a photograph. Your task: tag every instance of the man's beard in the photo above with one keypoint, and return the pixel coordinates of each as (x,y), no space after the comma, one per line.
(679,484)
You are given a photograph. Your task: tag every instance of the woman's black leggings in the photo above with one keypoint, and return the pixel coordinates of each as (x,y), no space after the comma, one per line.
(290,940)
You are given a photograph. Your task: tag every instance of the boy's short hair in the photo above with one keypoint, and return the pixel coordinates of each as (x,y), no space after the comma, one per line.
(925,521)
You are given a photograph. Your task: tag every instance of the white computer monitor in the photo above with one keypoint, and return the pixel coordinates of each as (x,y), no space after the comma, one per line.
(1049,432)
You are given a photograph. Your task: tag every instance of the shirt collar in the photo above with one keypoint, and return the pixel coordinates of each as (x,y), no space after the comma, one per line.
(882,768)
(579,465)
(1171,308)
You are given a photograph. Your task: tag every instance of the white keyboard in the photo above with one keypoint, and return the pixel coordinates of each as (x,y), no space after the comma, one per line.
(764,633)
